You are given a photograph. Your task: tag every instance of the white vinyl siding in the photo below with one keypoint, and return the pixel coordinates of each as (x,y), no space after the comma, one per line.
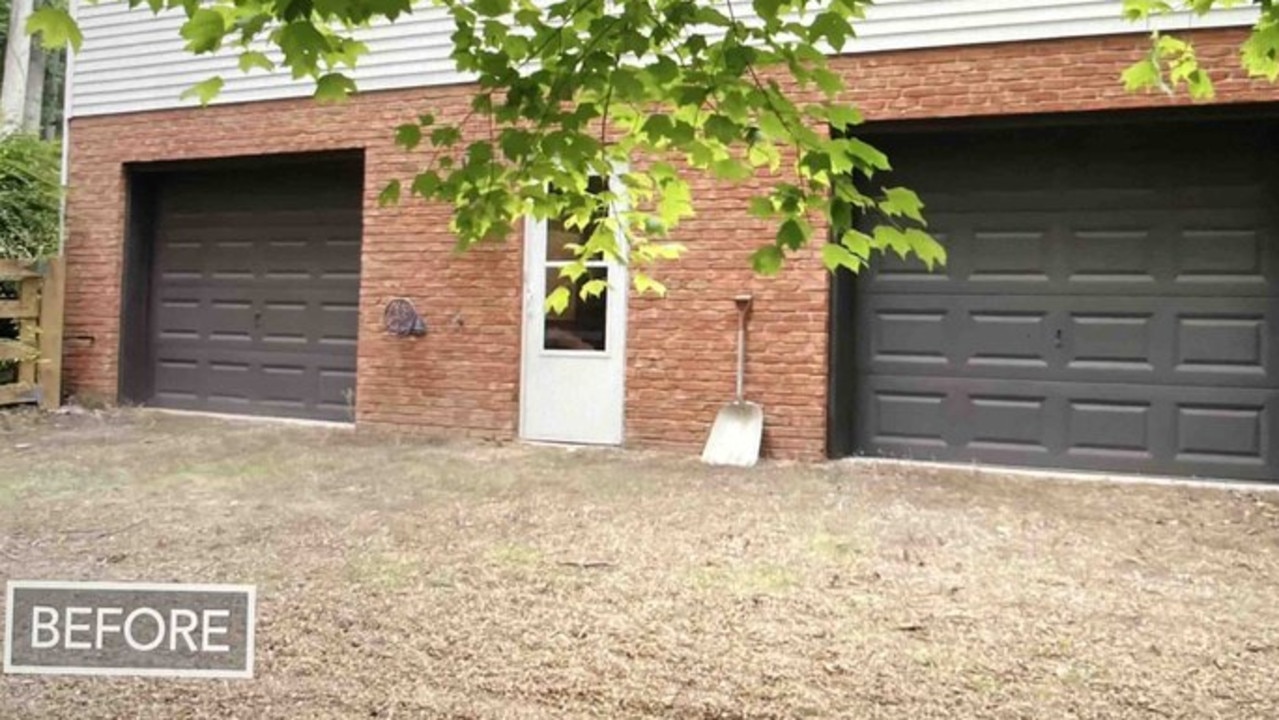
(132,60)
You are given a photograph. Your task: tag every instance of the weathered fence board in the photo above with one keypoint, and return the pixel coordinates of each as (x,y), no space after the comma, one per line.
(18,351)
(49,369)
(19,269)
(16,393)
(16,309)
(38,347)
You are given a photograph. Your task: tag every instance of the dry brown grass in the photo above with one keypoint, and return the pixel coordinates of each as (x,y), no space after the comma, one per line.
(402,578)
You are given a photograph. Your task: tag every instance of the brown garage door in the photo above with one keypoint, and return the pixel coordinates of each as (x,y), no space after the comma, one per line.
(255,289)
(1110,304)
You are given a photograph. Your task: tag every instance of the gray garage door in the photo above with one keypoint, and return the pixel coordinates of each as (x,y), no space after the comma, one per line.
(255,290)
(1110,304)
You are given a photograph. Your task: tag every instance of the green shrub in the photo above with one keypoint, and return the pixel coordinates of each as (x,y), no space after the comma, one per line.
(29,199)
(29,196)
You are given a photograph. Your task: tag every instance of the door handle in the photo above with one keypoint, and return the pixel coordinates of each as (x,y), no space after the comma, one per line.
(1057,338)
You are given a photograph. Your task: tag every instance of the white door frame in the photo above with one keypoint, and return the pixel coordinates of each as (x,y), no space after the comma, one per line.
(610,363)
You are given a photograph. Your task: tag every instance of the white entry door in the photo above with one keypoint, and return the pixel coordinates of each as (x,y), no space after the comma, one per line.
(573,382)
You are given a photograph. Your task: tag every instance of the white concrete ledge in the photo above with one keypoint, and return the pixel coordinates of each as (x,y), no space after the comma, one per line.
(264,419)
(982,470)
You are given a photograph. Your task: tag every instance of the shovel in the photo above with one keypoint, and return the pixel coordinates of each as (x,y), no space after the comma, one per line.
(738,428)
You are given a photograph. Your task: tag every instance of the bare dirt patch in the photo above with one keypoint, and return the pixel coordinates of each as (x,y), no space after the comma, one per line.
(404,578)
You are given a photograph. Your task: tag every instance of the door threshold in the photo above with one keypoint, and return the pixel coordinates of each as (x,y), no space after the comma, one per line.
(1064,475)
(264,419)
(569,445)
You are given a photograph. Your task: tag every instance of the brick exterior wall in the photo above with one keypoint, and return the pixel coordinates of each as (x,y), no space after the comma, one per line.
(463,377)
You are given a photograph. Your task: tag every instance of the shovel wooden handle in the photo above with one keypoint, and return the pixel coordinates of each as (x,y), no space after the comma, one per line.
(743,306)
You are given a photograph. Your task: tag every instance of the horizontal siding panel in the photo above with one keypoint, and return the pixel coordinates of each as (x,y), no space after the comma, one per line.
(133,60)
(159,52)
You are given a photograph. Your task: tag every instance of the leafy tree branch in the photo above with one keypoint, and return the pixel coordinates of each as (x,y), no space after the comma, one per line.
(654,92)
(1172,63)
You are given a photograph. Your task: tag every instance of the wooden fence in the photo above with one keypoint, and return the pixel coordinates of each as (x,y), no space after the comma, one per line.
(38,347)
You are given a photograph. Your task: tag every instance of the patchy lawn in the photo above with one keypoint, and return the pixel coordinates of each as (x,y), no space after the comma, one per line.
(403,578)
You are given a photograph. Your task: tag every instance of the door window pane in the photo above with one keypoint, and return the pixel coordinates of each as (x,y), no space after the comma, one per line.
(584,323)
(558,237)
(559,241)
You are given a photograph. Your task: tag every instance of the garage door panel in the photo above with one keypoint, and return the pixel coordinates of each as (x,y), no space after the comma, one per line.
(291,381)
(1221,254)
(319,315)
(1233,257)
(1170,155)
(890,273)
(1191,431)
(255,291)
(178,377)
(234,289)
(1106,262)
(1009,253)
(1113,258)
(1028,202)
(209,223)
(224,321)
(216,343)
(319,257)
(1109,428)
(304,188)
(259,408)
(1111,301)
(1203,341)
(256,358)
(336,396)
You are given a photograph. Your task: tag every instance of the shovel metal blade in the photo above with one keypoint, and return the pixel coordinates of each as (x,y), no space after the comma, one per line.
(736,435)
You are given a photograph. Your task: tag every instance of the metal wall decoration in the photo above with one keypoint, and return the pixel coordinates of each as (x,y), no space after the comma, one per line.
(402,319)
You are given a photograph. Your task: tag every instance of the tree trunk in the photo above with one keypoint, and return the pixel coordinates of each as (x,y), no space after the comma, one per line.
(17,58)
(33,114)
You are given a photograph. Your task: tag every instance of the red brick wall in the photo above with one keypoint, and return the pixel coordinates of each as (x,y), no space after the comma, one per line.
(1070,75)
(463,377)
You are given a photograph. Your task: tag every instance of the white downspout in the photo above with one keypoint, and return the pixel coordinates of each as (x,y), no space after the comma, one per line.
(68,74)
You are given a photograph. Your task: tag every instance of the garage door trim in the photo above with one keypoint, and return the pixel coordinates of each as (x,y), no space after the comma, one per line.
(842,436)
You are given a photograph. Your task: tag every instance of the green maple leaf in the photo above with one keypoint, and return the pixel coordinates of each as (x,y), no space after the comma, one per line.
(203,91)
(55,27)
